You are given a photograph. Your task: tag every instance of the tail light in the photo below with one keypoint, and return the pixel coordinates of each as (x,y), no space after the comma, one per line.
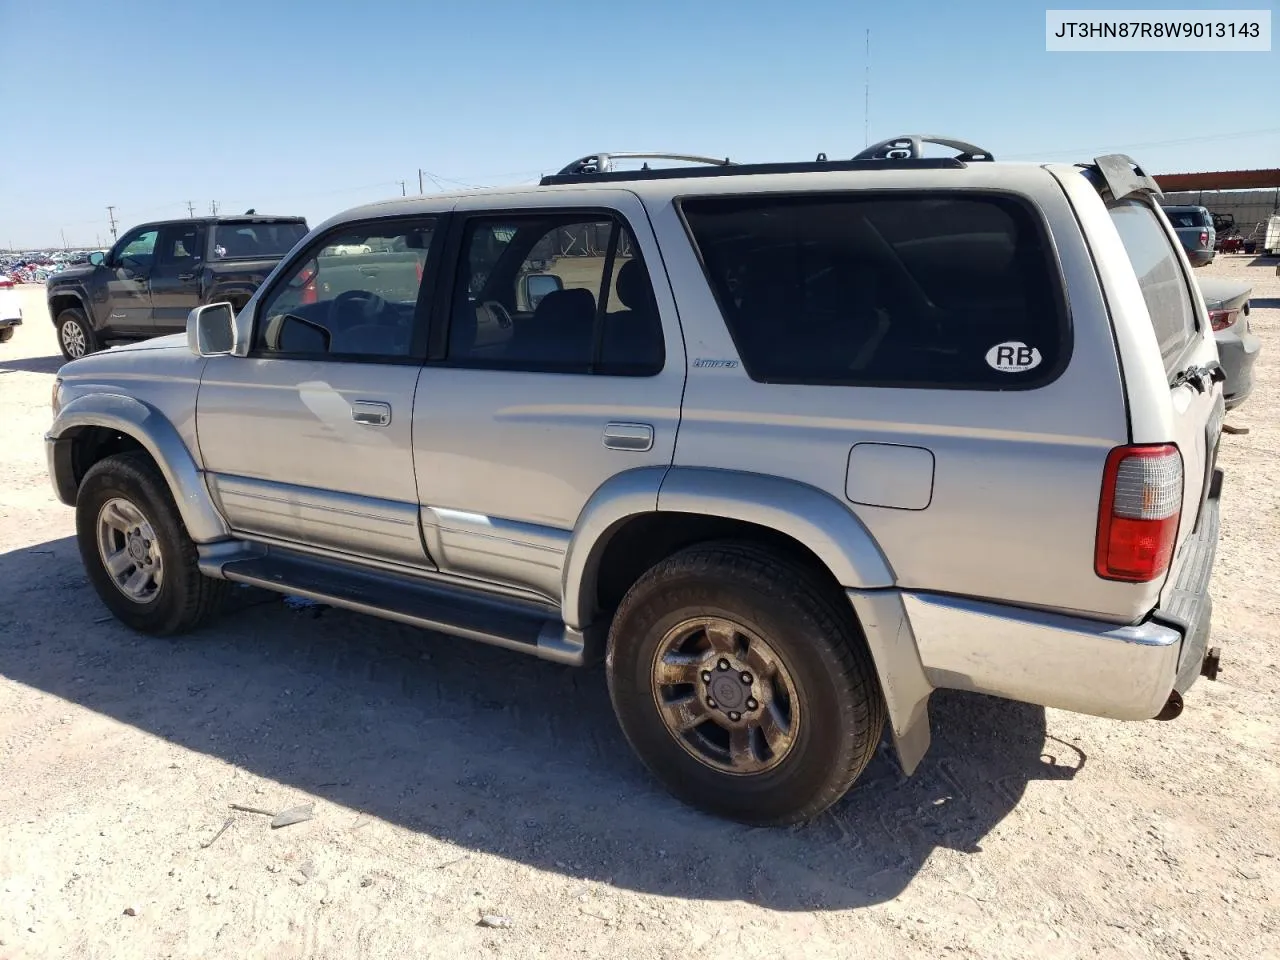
(1221,319)
(1204,238)
(1138,513)
(307,278)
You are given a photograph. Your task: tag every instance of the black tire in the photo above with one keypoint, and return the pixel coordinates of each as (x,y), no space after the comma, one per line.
(6,334)
(815,636)
(75,317)
(185,597)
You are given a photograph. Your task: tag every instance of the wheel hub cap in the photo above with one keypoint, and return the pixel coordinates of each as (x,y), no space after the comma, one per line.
(129,551)
(73,339)
(725,695)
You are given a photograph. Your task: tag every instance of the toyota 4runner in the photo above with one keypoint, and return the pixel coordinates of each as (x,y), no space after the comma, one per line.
(788,445)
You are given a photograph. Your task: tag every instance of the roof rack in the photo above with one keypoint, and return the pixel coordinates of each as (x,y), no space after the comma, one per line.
(885,155)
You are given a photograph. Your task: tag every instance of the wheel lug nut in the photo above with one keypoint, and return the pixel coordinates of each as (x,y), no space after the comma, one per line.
(746,678)
(706,676)
(722,665)
(751,704)
(734,715)
(711,702)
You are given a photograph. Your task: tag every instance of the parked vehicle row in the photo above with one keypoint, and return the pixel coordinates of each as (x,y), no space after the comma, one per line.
(789,445)
(10,309)
(148,282)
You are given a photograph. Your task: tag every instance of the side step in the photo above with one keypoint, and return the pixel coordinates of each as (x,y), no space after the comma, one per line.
(518,625)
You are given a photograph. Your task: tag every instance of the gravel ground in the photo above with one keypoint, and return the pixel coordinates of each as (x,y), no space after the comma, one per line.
(453,781)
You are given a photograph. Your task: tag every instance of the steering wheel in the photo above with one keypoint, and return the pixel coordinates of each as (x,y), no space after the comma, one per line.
(498,312)
(369,306)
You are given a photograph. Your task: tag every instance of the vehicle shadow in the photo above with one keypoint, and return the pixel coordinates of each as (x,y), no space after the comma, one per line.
(32,364)
(1263,303)
(496,752)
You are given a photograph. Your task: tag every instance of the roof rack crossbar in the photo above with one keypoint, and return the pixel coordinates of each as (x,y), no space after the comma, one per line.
(908,147)
(603,162)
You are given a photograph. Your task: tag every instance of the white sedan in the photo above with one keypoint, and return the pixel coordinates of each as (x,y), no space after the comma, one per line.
(10,310)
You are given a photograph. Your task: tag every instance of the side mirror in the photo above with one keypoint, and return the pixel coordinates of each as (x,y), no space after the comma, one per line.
(97,258)
(538,285)
(211,330)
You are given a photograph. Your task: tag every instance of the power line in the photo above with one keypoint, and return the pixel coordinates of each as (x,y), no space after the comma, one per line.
(1150,143)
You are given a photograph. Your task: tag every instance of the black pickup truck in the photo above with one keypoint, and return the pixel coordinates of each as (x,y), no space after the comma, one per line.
(147,283)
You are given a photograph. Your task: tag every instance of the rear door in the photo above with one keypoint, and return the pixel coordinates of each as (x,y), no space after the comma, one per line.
(175,279)
(538,393)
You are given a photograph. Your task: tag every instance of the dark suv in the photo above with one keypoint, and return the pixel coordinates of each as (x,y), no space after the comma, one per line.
(1194,226)
(147,283)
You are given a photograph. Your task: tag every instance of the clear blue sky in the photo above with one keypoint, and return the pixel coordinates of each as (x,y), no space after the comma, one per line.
(314,107)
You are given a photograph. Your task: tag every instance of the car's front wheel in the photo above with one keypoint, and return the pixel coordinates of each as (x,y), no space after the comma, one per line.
(6,334)
(136,550)
(75,334)
(743,685)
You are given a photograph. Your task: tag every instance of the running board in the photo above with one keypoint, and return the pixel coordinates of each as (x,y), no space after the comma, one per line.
(504,622)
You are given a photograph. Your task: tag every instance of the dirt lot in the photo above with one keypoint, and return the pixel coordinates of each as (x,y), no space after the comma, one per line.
(452,780)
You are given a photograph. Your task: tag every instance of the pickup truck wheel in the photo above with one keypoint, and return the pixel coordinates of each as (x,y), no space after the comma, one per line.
(136,550)
(742,685)
(75,335)
(6,334)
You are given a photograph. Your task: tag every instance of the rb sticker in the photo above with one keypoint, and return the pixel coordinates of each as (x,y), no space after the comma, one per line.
(1013,356)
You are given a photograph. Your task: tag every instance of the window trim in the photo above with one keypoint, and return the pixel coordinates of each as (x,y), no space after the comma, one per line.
(426,292)
(1179,360)
(442,306)
(1049,247)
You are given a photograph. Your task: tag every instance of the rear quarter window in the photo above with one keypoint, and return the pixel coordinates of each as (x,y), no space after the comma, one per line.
(938,291)
(1156,264)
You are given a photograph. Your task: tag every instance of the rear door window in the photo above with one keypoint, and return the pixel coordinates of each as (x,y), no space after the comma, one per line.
(1159,272)
(955,292)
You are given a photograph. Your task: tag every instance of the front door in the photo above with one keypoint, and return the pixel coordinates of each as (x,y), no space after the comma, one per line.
(129,283)
(307,440)
(543,391)
(175,279)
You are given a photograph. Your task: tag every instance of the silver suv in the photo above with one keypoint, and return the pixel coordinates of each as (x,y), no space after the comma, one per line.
(790,445)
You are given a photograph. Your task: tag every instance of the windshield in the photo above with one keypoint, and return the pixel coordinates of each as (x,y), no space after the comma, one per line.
(254,241)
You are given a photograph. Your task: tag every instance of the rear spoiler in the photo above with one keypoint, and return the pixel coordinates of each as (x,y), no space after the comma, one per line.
(1123,176)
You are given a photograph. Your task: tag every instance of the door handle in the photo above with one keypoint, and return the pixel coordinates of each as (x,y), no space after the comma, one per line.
(636,437)
(371,412)
(186,276)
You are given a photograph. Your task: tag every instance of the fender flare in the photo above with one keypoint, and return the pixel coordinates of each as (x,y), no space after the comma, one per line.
(76,292)
(806,514)
(157,435)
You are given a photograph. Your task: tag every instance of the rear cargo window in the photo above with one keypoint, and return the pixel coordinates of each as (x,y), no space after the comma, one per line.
(1155,261)
(252,241)
(876,290)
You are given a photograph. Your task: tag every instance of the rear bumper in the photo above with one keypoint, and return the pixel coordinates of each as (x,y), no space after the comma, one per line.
(1124,672)
(1200,258)
(1238,352)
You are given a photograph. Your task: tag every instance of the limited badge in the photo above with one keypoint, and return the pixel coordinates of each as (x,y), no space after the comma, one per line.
(1013,356)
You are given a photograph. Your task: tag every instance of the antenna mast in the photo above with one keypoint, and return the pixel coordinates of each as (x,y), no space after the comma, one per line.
(866,98)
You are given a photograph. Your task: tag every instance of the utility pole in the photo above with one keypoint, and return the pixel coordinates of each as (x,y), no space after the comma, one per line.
(111,215)
(191,209)
(403,192)
(63,231)
(213,207)
(420,190)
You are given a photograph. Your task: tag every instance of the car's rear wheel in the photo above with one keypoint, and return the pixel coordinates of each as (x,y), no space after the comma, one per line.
(743,685)
(75,334)
(6,334)
(136,550)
